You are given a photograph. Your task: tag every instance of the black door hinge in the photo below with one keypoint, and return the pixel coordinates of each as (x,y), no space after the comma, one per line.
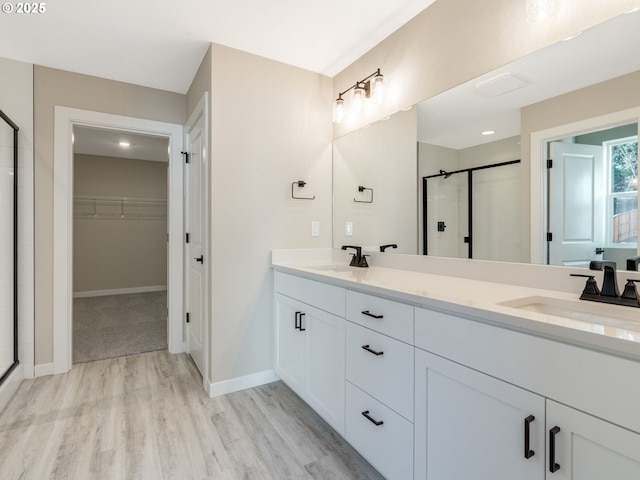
(188,239)
(549,237)
(186,156)
(550,163)
(188,317)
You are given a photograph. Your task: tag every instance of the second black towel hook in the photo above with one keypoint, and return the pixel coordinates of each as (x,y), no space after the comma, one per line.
(300,184)
(362,189)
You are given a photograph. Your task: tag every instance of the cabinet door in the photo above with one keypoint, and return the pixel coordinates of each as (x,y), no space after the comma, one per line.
(472,426)
(289,342)
(588,448)
(324,379)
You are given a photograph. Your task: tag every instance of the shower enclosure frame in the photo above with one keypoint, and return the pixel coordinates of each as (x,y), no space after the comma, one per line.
(469,238)
(5,374)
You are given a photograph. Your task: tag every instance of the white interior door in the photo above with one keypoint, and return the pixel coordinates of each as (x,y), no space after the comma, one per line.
(576,204)
(195,295)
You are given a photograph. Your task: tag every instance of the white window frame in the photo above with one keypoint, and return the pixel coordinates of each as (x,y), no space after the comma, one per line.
(609,195)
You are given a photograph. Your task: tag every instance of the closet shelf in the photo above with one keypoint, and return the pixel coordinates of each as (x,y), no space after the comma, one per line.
(119,208)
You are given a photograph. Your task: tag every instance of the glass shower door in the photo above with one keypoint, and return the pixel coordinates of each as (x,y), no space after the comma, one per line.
(8,251)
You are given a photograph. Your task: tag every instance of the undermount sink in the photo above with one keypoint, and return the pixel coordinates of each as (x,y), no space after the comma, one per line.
(579,310)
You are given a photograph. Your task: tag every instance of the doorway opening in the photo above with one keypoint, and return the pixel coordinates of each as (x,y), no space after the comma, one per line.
(119,243)
(65,121)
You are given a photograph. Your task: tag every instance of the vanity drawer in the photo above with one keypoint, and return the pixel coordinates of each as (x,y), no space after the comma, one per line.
(387,375)
(320,295)
(388,446)
(385,316)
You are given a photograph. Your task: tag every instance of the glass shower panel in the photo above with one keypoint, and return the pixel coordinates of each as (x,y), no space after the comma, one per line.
(496,213)
(447,215)
(8,354)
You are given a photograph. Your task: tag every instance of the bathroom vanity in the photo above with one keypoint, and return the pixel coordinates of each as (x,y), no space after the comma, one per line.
(432,376)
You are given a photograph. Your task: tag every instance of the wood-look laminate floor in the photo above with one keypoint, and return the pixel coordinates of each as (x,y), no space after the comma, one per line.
(147,416)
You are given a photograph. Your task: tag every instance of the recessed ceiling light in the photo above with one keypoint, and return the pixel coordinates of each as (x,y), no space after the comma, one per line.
(124,144)
(488,132)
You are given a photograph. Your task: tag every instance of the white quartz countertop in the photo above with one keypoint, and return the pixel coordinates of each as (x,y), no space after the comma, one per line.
(608,328)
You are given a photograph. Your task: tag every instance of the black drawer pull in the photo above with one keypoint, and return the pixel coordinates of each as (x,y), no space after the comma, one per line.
(377,423)
(302,314)
(368,349)
(528,453)
(553,466)
(297,325)
(369,314)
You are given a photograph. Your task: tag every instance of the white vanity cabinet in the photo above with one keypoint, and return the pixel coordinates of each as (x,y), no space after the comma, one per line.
(588,448)
(487,396)
(471,426)
(310,344)
(379,412)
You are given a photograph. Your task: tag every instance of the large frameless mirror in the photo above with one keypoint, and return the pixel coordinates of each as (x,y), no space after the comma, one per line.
(8,248)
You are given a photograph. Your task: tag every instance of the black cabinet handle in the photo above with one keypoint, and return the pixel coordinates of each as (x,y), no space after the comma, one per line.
(528,453)
(368,349)
(199,259)
(302,314)
(553,466)
(297,325)
(369,314)
(377,423)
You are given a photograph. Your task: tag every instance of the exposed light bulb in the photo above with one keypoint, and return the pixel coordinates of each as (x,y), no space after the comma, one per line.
(377,88)
(338,110)
(359,95)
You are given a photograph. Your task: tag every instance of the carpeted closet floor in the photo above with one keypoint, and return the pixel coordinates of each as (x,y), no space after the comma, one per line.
(118,325)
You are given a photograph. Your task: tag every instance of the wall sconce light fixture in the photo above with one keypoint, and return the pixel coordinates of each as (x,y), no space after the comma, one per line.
(371,87)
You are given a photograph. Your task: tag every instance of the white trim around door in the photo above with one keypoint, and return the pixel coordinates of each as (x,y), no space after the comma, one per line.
(64,121)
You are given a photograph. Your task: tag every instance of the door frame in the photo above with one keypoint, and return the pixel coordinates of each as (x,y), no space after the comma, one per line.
(201,110)
(64,120)
(538,170)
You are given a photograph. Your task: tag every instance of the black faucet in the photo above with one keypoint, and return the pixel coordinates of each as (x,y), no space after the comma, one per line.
(609,292)
(632,263)
(609,281)
(391,245)
(358,260)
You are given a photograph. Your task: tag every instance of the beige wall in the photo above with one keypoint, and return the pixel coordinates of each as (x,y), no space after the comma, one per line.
(114,253)
(454,41)
(56,87)
(381,157)
(270,126)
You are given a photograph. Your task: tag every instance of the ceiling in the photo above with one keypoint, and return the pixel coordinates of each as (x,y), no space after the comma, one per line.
(161,43)
(106,143)
(455,118)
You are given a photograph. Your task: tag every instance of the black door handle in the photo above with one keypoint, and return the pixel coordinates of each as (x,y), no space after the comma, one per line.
(199,259)
(369,314)
(302,314)
(553,466)
(297,323)
(528,453)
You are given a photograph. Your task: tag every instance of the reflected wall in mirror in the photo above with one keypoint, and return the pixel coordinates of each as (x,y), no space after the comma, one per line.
(8,251)
(381,158)
(537,92)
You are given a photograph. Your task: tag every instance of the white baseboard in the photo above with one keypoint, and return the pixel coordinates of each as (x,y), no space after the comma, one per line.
(43,369)
(242,383)
(10,385)
(119,291)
